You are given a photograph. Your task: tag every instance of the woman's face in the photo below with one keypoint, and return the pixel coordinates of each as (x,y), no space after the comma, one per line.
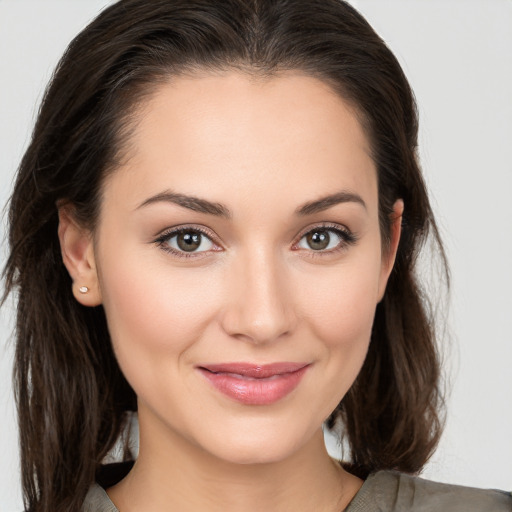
(239,261)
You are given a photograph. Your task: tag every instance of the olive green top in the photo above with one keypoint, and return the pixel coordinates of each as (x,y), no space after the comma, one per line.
(386,491)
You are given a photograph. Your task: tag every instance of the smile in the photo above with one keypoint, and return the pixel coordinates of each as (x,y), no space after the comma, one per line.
(252,384)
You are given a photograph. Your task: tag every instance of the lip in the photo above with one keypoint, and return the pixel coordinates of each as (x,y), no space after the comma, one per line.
(254,384)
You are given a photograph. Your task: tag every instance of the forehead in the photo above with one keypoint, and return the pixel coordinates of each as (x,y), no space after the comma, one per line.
(230,136)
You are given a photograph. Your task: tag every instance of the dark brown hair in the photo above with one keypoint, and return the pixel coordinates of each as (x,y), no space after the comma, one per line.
(71,395)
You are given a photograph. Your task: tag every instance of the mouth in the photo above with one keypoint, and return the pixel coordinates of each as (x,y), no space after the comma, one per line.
(253,384)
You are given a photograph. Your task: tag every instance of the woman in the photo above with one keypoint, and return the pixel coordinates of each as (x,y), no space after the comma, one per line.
(216,224)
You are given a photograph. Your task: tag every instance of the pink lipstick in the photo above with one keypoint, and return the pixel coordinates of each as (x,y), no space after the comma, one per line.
(253,384)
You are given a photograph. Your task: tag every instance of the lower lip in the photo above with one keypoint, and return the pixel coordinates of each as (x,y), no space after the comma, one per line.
(251,391)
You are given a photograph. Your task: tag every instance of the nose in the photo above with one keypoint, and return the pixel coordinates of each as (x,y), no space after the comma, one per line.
(259,307)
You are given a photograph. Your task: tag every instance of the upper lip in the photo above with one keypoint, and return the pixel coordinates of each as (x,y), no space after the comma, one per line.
(255,371)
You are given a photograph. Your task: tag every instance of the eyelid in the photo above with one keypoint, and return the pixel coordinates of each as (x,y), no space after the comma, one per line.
(347,236)
(168,233)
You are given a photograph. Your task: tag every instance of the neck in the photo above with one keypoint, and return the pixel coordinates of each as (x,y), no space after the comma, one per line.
(174,474)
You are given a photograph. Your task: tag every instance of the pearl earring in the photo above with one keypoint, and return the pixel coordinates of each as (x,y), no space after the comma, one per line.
(83,289)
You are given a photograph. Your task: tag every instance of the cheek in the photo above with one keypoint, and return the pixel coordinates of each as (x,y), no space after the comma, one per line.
(341,309)
(152,311)
(340,313)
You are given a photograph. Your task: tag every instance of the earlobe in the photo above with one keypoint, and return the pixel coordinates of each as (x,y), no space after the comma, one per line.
(77,249)
(388,259)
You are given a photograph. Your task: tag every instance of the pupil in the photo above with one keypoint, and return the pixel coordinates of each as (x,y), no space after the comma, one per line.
(189,241)
(318,240)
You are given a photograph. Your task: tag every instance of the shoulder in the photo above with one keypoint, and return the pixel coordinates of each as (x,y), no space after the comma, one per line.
(389,491)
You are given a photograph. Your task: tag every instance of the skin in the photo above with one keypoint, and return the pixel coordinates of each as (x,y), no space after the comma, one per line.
(257,292)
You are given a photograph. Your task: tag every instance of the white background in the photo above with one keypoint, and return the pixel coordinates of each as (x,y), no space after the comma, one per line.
(458,57)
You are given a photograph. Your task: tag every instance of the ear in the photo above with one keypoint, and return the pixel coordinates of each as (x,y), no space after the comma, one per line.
(388,257)
(77,249)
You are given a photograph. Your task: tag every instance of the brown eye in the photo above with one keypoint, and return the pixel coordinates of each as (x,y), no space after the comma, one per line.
(318,240)
(184,240)
(326,239)
(189,241)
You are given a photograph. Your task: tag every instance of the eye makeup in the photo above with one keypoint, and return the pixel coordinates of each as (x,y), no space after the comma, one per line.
(320,240)
(191,236)
(321,236)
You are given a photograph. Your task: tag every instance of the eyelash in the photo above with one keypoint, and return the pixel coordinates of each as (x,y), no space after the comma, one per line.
(346,236)
(163,239)
(347,239)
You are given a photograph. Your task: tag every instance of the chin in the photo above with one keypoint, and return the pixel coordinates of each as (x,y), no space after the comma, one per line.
(258,446)
(253,455)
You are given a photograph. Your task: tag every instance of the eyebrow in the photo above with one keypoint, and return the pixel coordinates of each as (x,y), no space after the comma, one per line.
(192,203)
(219,210)
(319,205)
